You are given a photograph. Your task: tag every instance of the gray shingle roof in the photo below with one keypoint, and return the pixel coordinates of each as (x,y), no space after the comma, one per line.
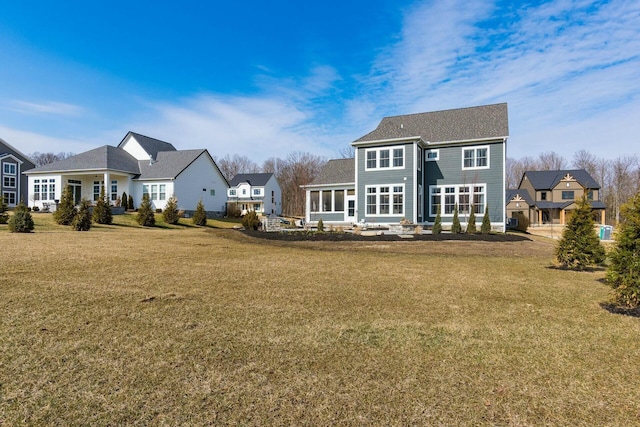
(547,180)
(255,179)
(482,122)
(150,145)
(337,171)
(6,148)
(168,164)
(511,193)
(101,158)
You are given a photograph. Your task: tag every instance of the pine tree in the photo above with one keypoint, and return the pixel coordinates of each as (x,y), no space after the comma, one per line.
(124,201)
(82,220)
(471,224)
(251,221)
(200,215)
(170,212)
(456,228)
(579,246)
(102,210)
(437,225)
(623,273)
(21,220)
(485,228)
(4,208)
(320,226)
(66,210)
(130,204)
(145,215)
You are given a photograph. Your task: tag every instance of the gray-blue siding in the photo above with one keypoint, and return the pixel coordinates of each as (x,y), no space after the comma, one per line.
(405,176)
(448,170)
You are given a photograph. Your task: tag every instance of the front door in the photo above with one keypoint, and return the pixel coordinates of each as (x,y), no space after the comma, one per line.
(350,214)
(76,190)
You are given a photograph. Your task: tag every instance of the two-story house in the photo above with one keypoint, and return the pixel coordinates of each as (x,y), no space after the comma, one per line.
(138,166)
(259,192)
(412,166)
(13,184)
(549,197)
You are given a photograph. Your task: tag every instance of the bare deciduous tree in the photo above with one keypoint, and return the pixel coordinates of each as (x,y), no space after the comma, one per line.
(230,166)
(551,161)
(41,159)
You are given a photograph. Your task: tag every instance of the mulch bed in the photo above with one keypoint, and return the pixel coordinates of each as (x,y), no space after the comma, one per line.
(293,236)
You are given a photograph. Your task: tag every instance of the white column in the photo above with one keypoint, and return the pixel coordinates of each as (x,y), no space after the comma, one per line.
(107,186)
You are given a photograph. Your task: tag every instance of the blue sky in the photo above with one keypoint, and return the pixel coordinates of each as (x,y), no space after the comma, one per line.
(265,79)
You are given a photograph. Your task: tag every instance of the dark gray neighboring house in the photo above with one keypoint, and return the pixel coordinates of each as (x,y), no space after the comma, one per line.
(13,183)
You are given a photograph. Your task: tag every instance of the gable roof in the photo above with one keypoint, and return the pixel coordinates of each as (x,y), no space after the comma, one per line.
(168,164)
(255,179)
(151,145)
(461,124)
(337,171)
(106,157)
(547,180)
(511,193)
(6,148)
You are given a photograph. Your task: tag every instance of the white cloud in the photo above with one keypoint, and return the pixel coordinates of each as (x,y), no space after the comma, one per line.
(30,142)
(45,107)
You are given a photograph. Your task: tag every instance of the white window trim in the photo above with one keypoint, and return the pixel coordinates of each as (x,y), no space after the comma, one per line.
(232,192)
(15,168)
(390,149)
(333,201)
(391,193)
(5,193)
(475,157)
(457,198)
(435,151)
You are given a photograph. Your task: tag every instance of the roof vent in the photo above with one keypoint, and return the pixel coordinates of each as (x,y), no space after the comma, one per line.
(401,126)
(150,159)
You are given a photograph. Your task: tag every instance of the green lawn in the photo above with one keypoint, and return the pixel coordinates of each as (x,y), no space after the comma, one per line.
(183,325)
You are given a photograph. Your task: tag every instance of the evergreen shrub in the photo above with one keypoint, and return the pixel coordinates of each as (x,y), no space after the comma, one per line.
(580,246)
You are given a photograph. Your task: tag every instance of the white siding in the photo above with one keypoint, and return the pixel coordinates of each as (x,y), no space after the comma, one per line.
(197,181)
(132,147)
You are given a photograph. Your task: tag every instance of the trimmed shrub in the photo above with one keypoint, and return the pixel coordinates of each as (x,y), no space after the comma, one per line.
(4,211)
(456,228)
(437,225)
(471,224)
(523,221)
(485,228)
(130,204)
(124,201)
(580,246)
(102,210)
(320,226)
(623,273)
(200,215)
(170,212)
(82,220)
(251,221)
(21,220)
(145,216)
(66,210)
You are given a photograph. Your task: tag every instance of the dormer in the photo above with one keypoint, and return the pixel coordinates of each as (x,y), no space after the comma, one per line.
(143,147)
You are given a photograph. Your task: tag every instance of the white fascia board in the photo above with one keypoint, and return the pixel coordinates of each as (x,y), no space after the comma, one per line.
(337,184)
(388,141)
(469,141)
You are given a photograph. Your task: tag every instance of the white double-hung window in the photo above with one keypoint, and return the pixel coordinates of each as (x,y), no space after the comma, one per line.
(385,200)
(475,157)
(384,158)
(464,196)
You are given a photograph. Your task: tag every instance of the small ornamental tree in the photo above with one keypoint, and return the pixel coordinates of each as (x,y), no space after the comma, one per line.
(251,221)
(456,228)
(82,220)
(145,216)
(21,220)
(580,246)
(170,212)
(523,222)
(102,210)
(4,208)
(66,210)
(130,204)
(471,224)
(437,225)
(485,228)
(200,215)
(124,200)
(623,273)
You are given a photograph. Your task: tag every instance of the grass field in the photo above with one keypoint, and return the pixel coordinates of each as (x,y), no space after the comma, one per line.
(195,326)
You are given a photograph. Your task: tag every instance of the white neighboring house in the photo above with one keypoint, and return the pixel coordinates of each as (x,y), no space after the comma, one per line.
(138,165)
(258,192)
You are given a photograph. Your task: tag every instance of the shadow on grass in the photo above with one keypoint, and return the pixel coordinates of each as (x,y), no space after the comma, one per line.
(590,269)
(625,311)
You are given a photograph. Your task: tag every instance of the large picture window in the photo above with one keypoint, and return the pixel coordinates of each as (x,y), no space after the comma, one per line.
(326,201)
(155,191)
(464,196)
(475,158)
(385,200)
(385,158)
